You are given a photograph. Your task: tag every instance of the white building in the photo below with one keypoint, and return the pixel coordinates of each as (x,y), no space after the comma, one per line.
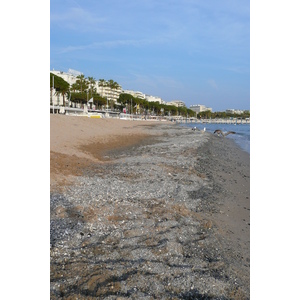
(56,98)
(109,93)
(135,94)
(177,103)
(234,111)
(68,77)
(199,108)
(150,98)
(103,90)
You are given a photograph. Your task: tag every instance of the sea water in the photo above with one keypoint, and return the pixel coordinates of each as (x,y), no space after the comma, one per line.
(241,136)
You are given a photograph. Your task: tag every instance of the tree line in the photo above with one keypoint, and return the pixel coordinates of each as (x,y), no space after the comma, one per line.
(85,88)
(222,115)
(142,106)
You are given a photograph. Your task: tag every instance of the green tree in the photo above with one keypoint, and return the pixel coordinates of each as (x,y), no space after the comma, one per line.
(102,82)
(190,112)
(60,85)
(126,98)
(79,97)
(182,111)
(81,84)
(172,109)
(92,82)
(99,100)
(113,84)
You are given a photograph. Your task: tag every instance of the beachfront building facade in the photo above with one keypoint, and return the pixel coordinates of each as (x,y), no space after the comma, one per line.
(56,98)
(200,108)
(136,94)
(109,93)
(234,111)
(102,87)
(177,103)
(150,98)
(69,77)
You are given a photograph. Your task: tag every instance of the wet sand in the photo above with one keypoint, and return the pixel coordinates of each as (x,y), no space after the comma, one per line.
(143,210)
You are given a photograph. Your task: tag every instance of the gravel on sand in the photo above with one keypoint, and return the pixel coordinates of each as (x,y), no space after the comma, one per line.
(147,210)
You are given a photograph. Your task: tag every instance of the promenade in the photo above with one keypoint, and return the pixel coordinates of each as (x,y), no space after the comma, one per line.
(116,114)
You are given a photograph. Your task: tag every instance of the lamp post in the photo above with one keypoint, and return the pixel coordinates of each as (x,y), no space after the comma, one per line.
(52,94)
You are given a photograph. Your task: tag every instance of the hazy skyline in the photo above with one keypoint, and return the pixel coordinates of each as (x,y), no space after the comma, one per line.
(194,51)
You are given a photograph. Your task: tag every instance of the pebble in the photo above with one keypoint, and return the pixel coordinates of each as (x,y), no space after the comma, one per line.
(144,209)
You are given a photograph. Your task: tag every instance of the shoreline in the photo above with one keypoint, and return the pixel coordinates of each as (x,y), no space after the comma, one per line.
(165,217)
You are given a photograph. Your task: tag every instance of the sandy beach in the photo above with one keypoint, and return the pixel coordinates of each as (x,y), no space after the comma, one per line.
(147,210)
(76,143)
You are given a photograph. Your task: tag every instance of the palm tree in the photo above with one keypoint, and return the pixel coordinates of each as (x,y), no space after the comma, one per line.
(113,84)
(64,90)
(81,82)
(102,82)
(81,85)
(92,82)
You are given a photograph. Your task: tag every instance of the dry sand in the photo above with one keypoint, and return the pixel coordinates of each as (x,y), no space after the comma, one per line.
(77,143)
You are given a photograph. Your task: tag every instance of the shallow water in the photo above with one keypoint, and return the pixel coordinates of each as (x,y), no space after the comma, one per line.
(242,136)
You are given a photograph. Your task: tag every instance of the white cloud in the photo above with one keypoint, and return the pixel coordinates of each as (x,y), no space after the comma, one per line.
(76,18)
(112,44)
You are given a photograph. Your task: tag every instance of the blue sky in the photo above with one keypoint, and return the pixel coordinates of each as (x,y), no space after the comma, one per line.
(197,51)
